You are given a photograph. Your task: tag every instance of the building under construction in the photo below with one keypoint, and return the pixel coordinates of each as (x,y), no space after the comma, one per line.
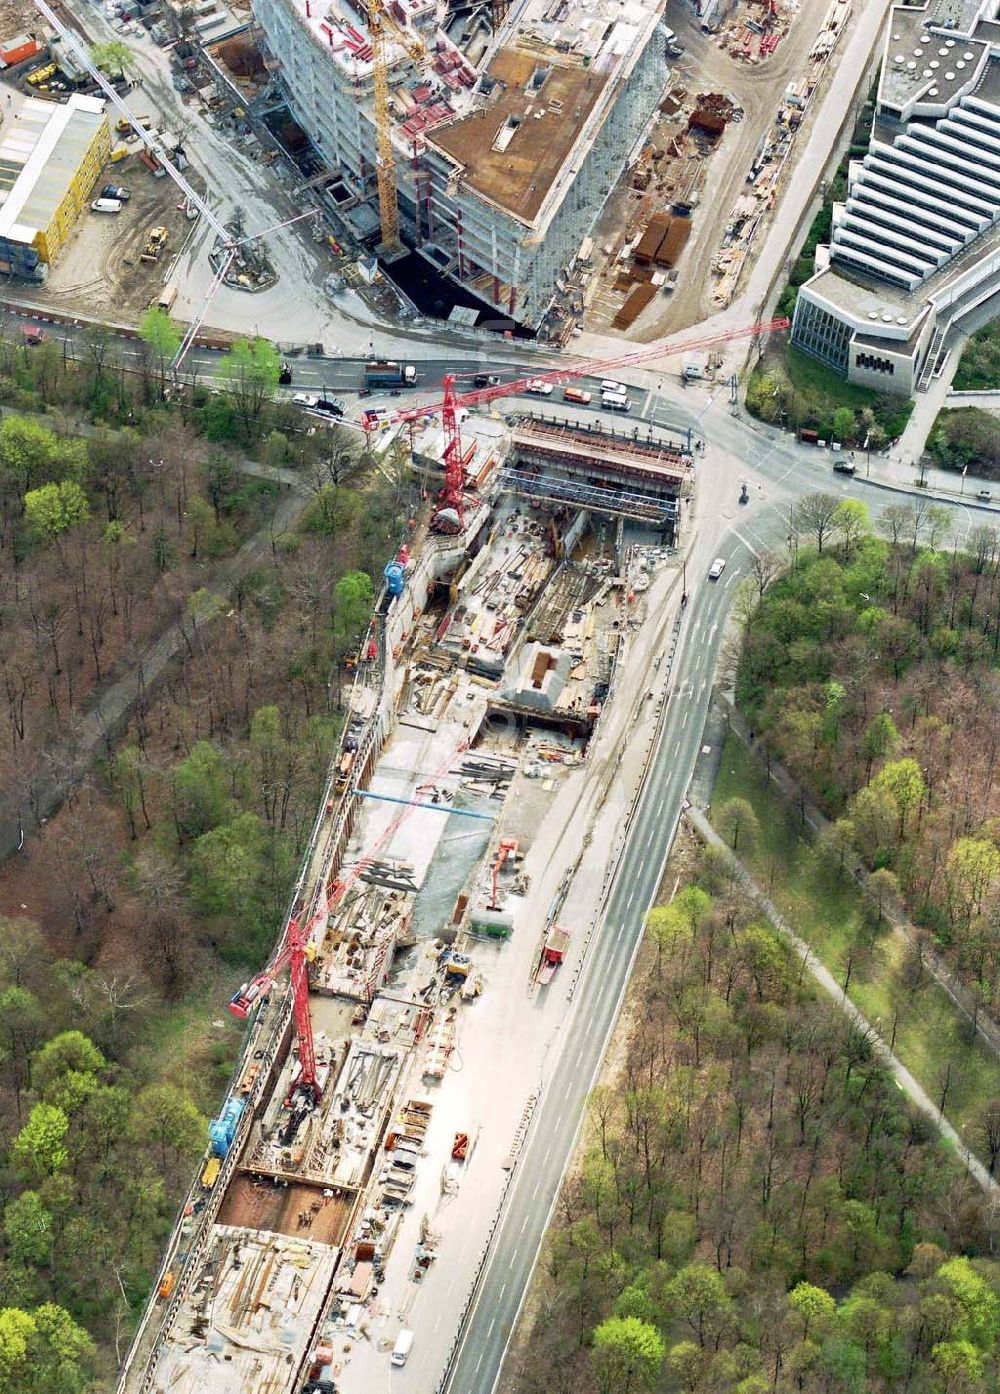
(507,134)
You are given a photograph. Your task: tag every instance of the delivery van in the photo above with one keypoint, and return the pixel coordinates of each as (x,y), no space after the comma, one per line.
(404,1343)
(106,205)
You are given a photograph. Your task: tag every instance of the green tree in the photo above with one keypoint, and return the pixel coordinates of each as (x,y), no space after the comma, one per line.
(853,522)
(698,1295)
(251,370)
(162,339)
(844,424)
(165,1118)
(43,1351)
(814,1307)
(903,781)
(198,792)
(30,453)
(628,1355)
(979,1303)
(880,738)
(39,1150)
(113,57)
(737,823)
(669,929)
(66,1069)
(959,1365)
(225,865)
(28,1230)
(53,509)
(972,872)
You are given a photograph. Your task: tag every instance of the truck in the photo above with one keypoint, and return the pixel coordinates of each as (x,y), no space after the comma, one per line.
(222,1130)
(165,299)
(390,374)
(694,368)
(553,953)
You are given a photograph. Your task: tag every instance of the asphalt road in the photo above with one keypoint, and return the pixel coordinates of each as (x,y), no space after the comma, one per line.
(778,470)
(552,1136)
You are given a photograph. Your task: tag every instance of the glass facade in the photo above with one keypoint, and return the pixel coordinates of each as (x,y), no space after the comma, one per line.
(816,331)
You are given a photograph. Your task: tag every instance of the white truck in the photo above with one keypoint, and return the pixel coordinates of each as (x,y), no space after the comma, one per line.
(404,1343)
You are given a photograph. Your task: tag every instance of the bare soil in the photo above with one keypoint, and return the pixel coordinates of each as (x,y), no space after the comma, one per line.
(100,266)
(758,90)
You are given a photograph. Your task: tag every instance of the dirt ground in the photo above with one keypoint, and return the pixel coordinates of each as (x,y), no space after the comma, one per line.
(262,1204)
(100,267)
(706,68)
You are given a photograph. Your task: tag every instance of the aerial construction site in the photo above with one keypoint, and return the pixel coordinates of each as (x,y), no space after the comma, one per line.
(470,822)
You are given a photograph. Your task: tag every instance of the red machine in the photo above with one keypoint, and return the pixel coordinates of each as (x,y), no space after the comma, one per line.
(553,953)
(449,514)
(293,954)
(507,848)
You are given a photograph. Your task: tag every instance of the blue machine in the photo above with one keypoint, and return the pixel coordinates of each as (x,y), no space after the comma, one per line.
(393,574)
(222,1130)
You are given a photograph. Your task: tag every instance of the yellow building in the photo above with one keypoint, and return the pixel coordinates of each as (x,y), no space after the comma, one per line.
(51,156)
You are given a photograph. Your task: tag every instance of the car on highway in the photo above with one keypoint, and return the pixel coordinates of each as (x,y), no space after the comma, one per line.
(538,388)
(577,395)
(717,568)
(618,388)
(609,402)
(486,380)
(843,466)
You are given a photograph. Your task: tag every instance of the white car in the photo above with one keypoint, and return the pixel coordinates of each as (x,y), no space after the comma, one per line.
(717,568)
(538,388)
(308,400)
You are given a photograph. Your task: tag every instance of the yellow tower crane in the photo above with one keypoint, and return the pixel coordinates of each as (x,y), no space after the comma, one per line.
(386,162)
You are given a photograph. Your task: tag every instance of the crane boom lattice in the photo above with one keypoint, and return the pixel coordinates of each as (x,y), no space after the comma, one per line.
(385,168)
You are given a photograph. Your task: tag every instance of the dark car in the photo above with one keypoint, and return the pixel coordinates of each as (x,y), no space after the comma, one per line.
(116,191)
(486,380)
(285,374)
(843,467)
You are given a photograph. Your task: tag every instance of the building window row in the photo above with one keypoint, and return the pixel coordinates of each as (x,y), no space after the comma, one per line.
(874,364)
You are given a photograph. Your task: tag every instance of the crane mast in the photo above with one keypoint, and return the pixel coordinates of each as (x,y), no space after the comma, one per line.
(385,167)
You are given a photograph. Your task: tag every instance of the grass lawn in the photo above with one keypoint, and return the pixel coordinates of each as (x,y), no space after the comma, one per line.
(825,386)
(930,1033)
(979,366)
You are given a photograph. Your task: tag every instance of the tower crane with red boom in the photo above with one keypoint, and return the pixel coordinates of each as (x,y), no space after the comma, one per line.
(298,950)
(449,513)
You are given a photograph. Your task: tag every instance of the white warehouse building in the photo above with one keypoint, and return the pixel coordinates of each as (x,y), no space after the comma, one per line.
(502,164)
(916,246)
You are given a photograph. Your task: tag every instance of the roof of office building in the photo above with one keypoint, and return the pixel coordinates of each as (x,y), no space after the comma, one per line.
(924,65)
(918,201)
(513,149)
(40,152)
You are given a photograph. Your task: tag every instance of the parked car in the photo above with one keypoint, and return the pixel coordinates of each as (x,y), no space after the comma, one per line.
(117,191)
(717,568)
(106,205)
(307,400)
(984,495)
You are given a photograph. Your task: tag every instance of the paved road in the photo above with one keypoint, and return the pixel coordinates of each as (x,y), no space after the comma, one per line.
(778,471)
(557,1118)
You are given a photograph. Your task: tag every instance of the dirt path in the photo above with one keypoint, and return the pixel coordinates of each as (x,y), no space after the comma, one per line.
(913,1091)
